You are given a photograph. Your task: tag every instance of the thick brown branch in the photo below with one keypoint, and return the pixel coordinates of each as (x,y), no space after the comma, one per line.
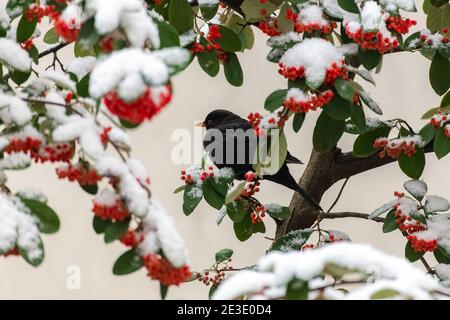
(339,215)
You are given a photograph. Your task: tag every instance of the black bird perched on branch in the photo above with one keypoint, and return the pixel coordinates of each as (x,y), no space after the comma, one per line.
(229,134)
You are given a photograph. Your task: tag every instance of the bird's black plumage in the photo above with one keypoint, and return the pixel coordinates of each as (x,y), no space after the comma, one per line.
(230,142)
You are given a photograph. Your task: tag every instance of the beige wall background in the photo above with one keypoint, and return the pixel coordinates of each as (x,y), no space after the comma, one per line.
(402,90)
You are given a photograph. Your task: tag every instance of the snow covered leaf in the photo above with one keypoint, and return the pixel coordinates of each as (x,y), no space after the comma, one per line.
(223,255)
(15,161)
(192,196)
(416,188)
(34,256)
(294,240)
(436,204)
(13,56)
(236,210)
(297,289)
(277,212)
(128,262)
(365,97)
(366,75)
(48,221)
(235,192)
(386,207)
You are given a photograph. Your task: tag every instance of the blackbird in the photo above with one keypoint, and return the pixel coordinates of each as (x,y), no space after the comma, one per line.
(230,141)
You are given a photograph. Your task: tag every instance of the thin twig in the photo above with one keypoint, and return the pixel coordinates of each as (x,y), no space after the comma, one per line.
(339,194)
(52,49)
(338,215)
(427,266)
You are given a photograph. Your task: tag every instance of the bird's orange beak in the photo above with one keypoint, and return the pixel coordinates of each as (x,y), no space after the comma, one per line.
(200,124)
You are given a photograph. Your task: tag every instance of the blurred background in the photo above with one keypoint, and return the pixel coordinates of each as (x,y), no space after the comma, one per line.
(402,91)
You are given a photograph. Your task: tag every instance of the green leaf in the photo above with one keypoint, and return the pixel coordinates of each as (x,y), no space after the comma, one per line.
(278,212)
(433,111)
(20,77)
(438,18)
(243,229)
(384,294)
(259,227)
(294,240)
(298,120)
(127,263)
(82,51)
(83,86)
(235,192)
(90,188)
(440,74)
(441,255)
(283,24)
(100,224)
(368,101)
(338,108)
(441,144)
(209,11)
(179,189)
(163,290)
(236,210)
(48,219)
(428,132)
(192,196)
(253,8)
(363,146)
(390,223)
(412,166)
(88,35)
(129,125)
(233,70)
(438,3)
(229,41)
(51,37)
(358,117)
(297,289)
(181,16)
(168,35)
(15,8)
(345,89)
(32,259)
(369,58)
(116,230)
(212,196)
(208,61)
(275,100)
(25,29)
(349,5)
(211,291)
(416,188)
(223,255)
(327,132)
(412,255)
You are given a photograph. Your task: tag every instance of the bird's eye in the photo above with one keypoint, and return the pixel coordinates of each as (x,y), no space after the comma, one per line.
(210,122)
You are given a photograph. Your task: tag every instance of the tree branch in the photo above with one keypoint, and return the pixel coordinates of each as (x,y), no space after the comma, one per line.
(53,49)
(349,214)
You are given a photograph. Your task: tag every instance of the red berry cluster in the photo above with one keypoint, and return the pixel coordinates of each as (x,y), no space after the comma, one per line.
(334,72)
(106,44)
(29,144)
(255,120)
(132,238)
(394,148)
(68,30)
(35,12)
(116,211)
(372,40)
(421,245)
(399,25)
(270,27)
(291,73)
(438,119)
(68,98)
(146,106)
(258,214)
(308,246)
(250,190)
(250,176)
(162,270)
(54,153)
(104,136)
(219,275)
(204,174)
(309,27)
(314,102)
(78,172)
(426,40)
(279,120)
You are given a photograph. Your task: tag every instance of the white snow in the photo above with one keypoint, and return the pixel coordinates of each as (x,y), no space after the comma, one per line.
(332,8)
(393,5)
(13,56)
(129,71)
(5,20)
(315,55)
(312,14)
(297,94)
(370,16)
(13,109)
(173,57)
(443,273)
(106,198)
(61,79)
(131,15)
(81,66)
(438,229)
(385,207)
(208,3)
(221,214)
(417,188)
(276,270)
(17,160)
(32,193)
(436,203)
(284,38)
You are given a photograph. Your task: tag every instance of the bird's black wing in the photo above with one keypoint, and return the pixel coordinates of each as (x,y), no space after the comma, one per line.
(291,159)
